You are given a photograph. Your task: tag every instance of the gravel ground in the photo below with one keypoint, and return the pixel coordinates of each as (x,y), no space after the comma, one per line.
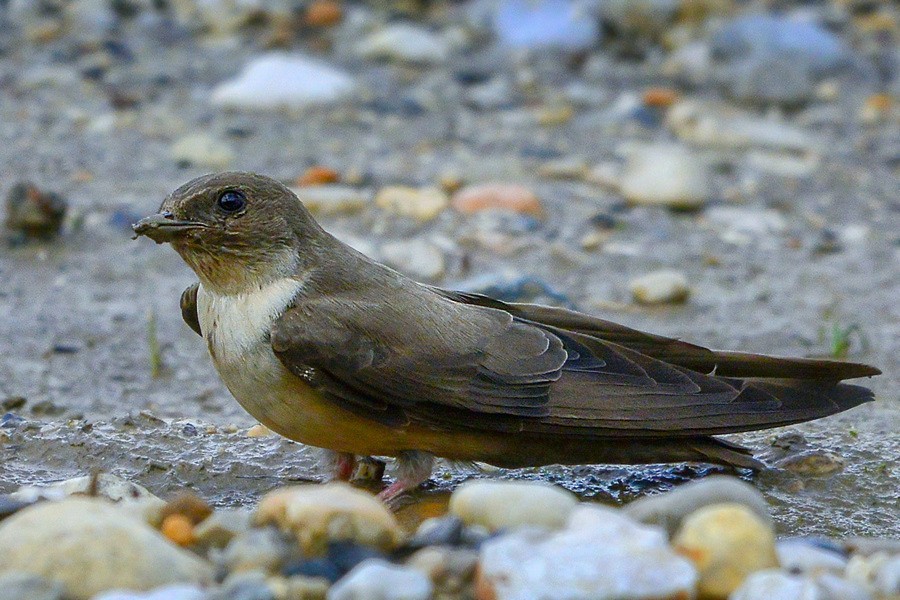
(76,313)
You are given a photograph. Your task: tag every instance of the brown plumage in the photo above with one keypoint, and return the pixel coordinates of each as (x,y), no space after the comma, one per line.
(395,367)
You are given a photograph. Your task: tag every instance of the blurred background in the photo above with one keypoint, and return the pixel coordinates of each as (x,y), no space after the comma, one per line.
(726,172)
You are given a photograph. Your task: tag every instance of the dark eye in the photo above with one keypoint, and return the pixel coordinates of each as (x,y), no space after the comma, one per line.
(231,201)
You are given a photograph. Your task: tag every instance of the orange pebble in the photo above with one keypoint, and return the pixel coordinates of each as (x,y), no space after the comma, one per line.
(879,102)
(179,530)
(317,175)
(659,97)
(512,197)
(323,13)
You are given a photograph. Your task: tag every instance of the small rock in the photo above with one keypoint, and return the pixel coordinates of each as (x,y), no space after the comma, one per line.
(451,570)
(252,585)
(172,592)
(773,80)
(378,580)
(814,463)
(405,42)
(744,225)
(189,505)
(438,531)
(217,530)
(833,587)
(417,258)
(507,504)
(276,80)
(726,542)
(318,175)
(333,199)
(91,546)
(259,431)
(264,549)
(496,93)
(104,485)
(305,588)
(323,13)
(667,175)
(18,586)
(497,196)
(660,287)
(422,204)
(178,529)
(640,19)
(791,39)
(34,213)
(669,509)
(879,573)
(800,556)
(601,554)
(317,514)
(774,585)
(200,149)
(562,24)
(570,167)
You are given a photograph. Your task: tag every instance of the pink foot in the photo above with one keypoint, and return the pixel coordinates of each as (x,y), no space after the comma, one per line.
(413,468)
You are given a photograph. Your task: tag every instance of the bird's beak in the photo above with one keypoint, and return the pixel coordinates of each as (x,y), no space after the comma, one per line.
(163,227)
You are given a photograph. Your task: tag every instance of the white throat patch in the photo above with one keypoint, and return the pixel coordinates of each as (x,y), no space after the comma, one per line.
(234,325)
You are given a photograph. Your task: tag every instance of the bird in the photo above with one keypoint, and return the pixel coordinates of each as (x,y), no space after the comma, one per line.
(332,349)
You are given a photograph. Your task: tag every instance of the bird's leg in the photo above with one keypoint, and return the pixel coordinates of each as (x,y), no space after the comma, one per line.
(413,467)
(341,465)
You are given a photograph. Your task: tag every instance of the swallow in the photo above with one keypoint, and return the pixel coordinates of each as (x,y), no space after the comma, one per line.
(329,348)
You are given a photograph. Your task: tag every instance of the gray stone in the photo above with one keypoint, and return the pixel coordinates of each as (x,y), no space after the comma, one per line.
(669,509)
(263,549)
(506,504)
(18,586)
(802,556)
(375,579)
(660,287)
(172,592)
(92,546)
(600,555)
(775,585)
(283,81)
(773,80)
(562,24)
(405,42)
(666,175)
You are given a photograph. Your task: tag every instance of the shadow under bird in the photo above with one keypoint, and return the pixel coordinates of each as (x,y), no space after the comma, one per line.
(332,349)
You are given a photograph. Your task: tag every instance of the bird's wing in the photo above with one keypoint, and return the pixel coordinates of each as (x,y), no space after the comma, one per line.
(189,308)
(674,351)
(455,365)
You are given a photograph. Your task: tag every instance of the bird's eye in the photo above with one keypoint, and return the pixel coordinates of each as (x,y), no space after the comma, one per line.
(231,201)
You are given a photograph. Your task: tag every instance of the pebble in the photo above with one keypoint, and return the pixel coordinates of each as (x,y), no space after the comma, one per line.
(669,509)
(217,530)
(702,124)
(258,549)
(317,514)
(202,150)
(775,585)
(601,555)
(497,196)
(417,258)
(879,572)
(536,25)
(660,287)
(323,13)
(792,39)
(404,42)
(668,175)
(812,463)
(772,80)
(422,204)
(496,93)
(171,592)
(376,579)
(569,167)
(508,504)
(189,505)
(726,542)
(34,213)
(19,586)
(799,555)
(451,570)
(91,546)
(333,199)
(250,585)
(276,80)
(105,485)
(318,175)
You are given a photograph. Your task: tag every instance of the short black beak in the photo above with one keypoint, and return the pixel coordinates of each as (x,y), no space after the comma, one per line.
(163,227)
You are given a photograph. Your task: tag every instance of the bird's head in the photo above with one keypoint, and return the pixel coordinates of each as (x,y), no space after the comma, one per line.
(237,231)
